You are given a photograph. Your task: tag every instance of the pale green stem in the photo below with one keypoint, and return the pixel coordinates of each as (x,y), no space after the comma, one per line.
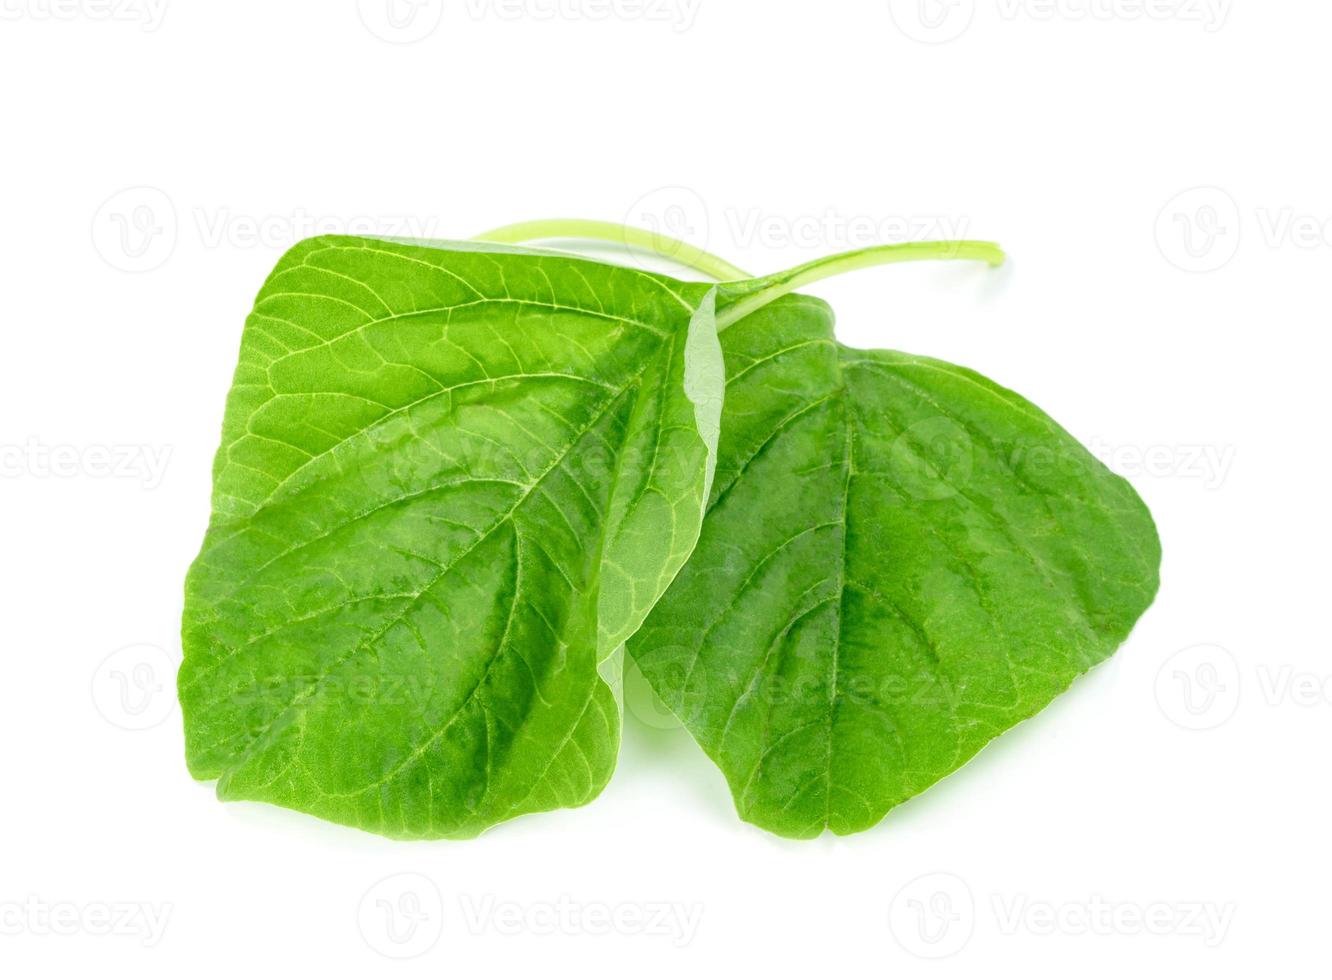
(648,241)
(760,292)
(742,294)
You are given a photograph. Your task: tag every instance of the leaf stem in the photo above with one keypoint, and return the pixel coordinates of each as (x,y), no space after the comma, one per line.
(741,293)
(638,238)
(758,293)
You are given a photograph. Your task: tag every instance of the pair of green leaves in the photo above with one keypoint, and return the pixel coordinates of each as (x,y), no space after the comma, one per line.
(458,480)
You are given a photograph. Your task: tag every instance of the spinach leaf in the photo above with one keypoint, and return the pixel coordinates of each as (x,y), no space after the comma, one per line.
(453,480)
(456,478)
(900,561)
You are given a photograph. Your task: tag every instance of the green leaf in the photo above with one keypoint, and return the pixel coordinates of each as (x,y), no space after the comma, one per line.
(901,560)
(453,480)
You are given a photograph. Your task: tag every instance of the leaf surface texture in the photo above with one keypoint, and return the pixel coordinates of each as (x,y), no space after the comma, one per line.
(453,480)
(901,560)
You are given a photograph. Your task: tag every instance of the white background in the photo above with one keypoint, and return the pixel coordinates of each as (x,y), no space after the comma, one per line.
(1182,333)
